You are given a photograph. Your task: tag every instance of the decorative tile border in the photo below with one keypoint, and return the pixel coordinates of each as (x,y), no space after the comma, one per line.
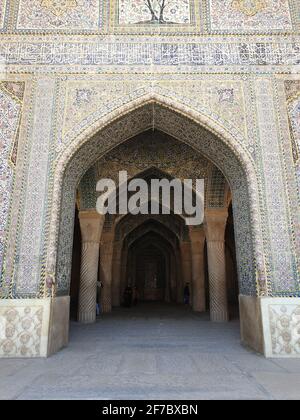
(279,239)
(290,170)
(3,9)
(28,260)
(292,88)
(11,98)
(18,196)
(94,56)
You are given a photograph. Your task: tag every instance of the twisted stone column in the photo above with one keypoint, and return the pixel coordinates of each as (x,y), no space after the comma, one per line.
(198,277)
(215,225)
(91,224)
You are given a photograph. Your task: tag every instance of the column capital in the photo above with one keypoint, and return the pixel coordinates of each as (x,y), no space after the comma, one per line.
(91,225)
(197,237)
(107,237)
(196,233)
(90,214)
(215,224)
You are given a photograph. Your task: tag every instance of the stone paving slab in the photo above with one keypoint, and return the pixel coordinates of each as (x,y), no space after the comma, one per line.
(145,386)
(281,386)
(252,362)
(152,352)
(290,365)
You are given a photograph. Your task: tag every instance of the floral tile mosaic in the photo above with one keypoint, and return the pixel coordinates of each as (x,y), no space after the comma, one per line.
(150,16)
(250,15)
(76,15)
(151,12)
(171,16)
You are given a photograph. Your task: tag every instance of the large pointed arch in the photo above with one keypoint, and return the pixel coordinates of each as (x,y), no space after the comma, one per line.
(202,132)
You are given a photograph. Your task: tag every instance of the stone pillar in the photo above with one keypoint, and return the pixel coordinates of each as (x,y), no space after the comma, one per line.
(168,287)
(173,278)
(116,274)
(197,236)
(186,264)
(215,225)
(91,225)
(123,272)
(106,258)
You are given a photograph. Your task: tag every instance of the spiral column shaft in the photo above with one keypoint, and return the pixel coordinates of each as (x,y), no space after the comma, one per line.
(88,282)
(215,224)
(91,225)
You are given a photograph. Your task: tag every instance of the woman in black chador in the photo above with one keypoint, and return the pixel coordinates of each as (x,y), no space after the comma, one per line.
(128,297)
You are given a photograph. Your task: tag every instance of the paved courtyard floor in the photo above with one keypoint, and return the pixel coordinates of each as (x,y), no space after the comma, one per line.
(152,352)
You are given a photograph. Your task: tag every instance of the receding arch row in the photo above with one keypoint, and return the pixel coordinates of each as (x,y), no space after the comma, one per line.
(187,126)
(177,226)
(188,255)
(134,233)
(150,155)
(146,239)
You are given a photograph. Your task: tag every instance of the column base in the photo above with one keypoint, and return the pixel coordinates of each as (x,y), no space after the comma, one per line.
(219,316)
(87,317)
(33,327)
(106,309)
(106,302)
(271,326)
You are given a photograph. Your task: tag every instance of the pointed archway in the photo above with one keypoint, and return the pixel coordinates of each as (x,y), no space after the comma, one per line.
(198,131)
